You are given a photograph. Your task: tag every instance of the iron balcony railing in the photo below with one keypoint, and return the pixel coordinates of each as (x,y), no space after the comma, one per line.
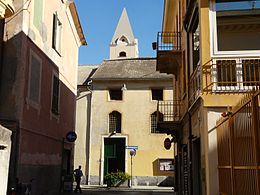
(195,85)
(232,75)
(168,41)
(168,111)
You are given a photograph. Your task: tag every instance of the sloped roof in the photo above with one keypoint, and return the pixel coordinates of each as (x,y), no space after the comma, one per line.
(85,72)
(128,69)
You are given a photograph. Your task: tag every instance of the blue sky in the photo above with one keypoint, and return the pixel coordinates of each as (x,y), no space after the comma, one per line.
(99,19)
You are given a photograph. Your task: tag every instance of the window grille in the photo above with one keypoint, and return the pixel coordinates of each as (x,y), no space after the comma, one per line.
(115,122)
(154,121)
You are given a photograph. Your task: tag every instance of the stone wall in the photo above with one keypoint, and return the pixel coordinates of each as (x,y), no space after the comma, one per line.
(5,150)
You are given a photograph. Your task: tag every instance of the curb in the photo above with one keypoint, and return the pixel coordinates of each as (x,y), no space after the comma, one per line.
(126,189)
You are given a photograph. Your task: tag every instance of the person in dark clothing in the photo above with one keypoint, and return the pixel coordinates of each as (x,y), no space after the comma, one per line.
(78,174)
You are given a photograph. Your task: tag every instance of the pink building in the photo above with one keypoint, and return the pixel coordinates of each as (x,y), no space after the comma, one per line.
(38,91)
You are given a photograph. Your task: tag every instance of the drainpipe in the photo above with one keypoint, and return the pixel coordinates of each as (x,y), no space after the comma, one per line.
(1,48)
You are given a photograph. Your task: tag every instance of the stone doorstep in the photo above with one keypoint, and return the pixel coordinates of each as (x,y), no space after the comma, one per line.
(133,188)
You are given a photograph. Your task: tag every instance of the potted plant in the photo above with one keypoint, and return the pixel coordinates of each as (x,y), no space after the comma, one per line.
(116,179)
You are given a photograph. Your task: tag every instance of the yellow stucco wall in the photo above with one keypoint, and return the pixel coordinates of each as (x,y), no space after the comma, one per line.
(136,108)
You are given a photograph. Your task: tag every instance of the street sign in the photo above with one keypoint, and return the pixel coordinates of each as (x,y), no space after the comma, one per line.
(132,147)
(71,136)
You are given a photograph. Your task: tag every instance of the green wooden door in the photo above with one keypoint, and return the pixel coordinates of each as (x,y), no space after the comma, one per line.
(114,155)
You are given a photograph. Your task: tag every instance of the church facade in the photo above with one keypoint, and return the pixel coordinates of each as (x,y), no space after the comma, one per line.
(120,111)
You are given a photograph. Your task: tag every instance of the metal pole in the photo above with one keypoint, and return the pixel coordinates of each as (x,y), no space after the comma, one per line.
(131,170)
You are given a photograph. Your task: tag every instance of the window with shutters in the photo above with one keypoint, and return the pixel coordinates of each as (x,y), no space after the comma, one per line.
(55,95)
(56,34)
(34,84)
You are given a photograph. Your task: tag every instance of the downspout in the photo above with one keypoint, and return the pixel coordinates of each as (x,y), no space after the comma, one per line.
(2,23)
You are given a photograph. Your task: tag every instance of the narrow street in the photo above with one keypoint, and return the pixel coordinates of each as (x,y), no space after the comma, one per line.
(108,192)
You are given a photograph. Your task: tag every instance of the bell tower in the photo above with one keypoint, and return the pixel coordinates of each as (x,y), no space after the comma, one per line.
(123,44)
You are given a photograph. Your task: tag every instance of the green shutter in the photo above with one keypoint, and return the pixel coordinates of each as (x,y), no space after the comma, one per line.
(38,11)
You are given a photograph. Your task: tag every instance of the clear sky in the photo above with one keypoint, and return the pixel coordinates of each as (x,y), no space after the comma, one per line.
(99,19)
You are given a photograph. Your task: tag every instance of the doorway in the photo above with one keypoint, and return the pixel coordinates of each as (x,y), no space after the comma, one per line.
(114,155)
(196,166)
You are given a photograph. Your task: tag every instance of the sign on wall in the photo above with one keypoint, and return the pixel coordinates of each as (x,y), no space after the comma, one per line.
(166,164)
(71,136)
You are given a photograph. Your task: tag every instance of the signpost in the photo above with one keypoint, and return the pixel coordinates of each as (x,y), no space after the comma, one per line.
(132,153)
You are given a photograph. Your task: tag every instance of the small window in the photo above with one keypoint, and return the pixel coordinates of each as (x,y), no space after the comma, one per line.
(250,72)
(34,78)
(114,122)
(115,94)
(157,94)
(56,34)
(122,54)
(55,95)
(123,39)
(154,121)
(226,70)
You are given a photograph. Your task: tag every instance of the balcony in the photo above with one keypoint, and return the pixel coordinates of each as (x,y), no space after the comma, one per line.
(169,54)
(195,83)
(168,117)
(6,8)
(231,75)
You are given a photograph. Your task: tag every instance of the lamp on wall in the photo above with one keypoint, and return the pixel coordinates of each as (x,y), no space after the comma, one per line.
(111,134)
(123,88)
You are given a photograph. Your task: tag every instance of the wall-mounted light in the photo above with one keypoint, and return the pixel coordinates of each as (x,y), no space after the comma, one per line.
(111,134)
(123,88)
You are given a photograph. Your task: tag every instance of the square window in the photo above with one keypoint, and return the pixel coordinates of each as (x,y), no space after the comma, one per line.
(157,94)
(115,94)
(34,86)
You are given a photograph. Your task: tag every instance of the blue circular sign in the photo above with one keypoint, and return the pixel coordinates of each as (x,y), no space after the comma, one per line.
(71,136)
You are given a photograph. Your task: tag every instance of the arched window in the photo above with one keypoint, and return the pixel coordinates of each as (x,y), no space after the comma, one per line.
(123,39)
(154,121)
(122,54)
(115,122)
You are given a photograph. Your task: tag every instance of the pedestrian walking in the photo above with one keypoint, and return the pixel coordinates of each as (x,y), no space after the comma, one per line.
(78,174)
